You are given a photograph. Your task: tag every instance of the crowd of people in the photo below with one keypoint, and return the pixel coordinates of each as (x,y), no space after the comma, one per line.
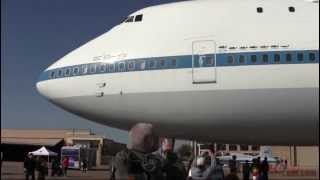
(39,164)
(32,164)
(258,169)
(144,160)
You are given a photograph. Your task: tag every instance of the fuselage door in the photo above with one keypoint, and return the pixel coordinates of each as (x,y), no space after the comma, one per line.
(203,62)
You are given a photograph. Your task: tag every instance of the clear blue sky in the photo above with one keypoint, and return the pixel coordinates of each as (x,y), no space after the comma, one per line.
(34,34)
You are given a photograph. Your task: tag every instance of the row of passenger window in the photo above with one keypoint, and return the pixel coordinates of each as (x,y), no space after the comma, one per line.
(271,58)
(138,65)
(203,61)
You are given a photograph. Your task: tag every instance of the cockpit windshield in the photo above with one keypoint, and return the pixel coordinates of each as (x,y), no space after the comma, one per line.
(136,18)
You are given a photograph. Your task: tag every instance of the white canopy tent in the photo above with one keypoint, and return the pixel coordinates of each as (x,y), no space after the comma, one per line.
(43,151)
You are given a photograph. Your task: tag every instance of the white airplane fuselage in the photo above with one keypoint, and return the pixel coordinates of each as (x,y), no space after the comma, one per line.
(210,70)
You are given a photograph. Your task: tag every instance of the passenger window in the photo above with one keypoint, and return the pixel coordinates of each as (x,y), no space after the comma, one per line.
(312,56)
(67,72)
(230,59)
(59,74)
(102,67)
(173,63)
(111,67)
(131,65)
(265,58)
(92,68)
(201,61)
(142,65)
(259,9)
(138,18)
(51,75)
(242,59)
(276,58)
(253,58)
(209,61)
(288,57)
(75,70)
(291,9)
(162,63)
(300,56)
(122,66)
(152,64)
(84,69)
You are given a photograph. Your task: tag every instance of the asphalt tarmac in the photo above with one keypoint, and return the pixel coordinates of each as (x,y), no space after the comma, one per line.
(14,171)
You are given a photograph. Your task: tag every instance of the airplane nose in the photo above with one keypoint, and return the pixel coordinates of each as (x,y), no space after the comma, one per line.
(42,86)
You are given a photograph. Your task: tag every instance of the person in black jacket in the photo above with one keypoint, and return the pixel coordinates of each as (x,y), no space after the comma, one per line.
(29,167)
(173,167)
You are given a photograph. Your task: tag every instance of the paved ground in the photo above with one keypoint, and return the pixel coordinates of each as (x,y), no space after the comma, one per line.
(14,171)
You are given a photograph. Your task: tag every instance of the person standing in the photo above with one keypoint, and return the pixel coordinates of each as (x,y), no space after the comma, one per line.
(265,169)
(255,169)
(29,167)
(246,170)
(285,167)
(218,173)
(42,169)
(233,164)
(173,168)
(65,165)
(84,166)
(54,167)
(259,167)
(138,161)
(201,171)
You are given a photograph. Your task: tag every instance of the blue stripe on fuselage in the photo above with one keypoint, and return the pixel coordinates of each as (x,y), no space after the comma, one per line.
(186,61)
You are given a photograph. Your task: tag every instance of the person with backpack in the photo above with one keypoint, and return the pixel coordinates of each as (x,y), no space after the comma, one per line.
(138,161)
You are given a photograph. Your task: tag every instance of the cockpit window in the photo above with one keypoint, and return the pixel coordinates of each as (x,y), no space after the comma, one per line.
(129,19)
(138,18)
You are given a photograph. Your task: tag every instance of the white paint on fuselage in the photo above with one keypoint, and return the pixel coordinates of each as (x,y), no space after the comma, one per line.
(169,30)
(278,101)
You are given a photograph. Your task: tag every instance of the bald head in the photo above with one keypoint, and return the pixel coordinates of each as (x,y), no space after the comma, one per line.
(143,138)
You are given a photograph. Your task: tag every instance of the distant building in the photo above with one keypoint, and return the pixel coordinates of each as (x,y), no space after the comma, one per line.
(16,143)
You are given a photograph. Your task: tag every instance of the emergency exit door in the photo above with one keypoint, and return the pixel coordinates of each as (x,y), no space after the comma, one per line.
(204,62)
